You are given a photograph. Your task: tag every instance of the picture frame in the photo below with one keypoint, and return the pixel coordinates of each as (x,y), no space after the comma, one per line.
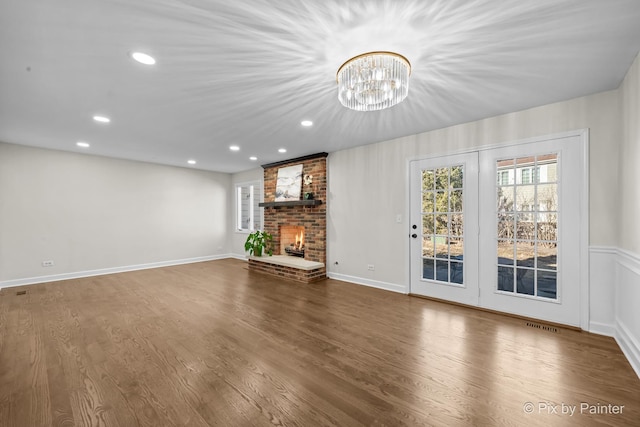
(289,183)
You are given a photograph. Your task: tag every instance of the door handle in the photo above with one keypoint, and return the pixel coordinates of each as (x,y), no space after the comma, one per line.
(414,235)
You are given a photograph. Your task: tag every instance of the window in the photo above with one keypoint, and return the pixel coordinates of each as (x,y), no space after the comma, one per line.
(248,213)
(443,224)
(527,220)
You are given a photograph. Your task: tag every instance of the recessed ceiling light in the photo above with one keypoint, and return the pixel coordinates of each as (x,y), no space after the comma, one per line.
(101,119)
(82,144)
(282,150)
(253,158)
(306,123)
(143,58)
(191,162)
(234,148)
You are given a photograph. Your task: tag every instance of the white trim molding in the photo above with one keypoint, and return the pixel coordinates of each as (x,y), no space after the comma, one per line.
(368,282)
(102,271)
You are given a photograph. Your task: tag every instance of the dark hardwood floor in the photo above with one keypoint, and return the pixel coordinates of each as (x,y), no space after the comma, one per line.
(214,344)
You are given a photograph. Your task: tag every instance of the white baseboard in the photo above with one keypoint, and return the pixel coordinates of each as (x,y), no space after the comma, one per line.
(606,329)
(102,271)
(241,257)
(630,347)
(368,282)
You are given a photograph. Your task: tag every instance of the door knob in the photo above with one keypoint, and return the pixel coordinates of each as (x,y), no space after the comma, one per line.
(414,235)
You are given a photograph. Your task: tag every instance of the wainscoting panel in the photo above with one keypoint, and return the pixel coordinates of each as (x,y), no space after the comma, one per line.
(627,307)
(602,289)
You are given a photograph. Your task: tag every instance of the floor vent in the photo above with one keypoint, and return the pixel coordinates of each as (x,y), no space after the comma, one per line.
(543,327)
(21,293)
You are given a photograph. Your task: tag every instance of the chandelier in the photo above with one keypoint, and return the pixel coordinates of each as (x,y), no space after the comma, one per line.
(373,81)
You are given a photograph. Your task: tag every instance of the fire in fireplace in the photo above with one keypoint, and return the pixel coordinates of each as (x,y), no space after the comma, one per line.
(292,240)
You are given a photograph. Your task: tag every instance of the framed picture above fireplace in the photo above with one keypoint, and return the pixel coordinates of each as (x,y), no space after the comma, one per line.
(289,183)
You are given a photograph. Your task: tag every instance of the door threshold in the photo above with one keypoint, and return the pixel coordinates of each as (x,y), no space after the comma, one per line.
(502,313)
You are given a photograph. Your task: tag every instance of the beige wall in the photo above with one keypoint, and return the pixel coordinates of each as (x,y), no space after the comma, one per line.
(367,184)
(87,212)
(629,209)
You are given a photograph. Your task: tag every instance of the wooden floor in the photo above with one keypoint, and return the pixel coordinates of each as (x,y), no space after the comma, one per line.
(214,344)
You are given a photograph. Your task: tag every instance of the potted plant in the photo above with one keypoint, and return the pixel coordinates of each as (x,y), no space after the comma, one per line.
(257,242)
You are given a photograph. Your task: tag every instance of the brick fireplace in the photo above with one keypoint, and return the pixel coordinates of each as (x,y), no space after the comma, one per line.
(287,220)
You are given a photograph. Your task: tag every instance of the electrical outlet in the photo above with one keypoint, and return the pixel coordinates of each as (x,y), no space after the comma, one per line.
(47,263)
(371,267)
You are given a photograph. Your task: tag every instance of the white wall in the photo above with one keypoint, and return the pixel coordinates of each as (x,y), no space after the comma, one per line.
(367,184)
(237,238)
(627,296)
(629,169)
(89,213)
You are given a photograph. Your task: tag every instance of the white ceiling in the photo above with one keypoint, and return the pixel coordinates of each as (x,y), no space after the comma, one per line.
(247,72)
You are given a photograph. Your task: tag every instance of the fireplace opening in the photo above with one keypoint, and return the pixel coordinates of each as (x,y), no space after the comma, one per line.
(292,240)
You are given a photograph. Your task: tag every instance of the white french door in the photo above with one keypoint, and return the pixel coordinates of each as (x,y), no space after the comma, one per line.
(444,230)
(510,220)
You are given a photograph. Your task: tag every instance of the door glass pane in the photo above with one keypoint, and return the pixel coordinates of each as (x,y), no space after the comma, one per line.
(442,271)
(505,252)
(442,248)
(427,268)
(457,224)
(442,178)
(456,177)
(428,205)
(506,226)
(547,227)
(505,198)
(547,284)
(427,224)
(505,279)
(547,256)
(547,197)
(427,180)
(525,226)
(527,221)
(443,224)
(456,201)
(525,281)
(525,254)
(428,247)
(456,246)
(456,272)
(442,201)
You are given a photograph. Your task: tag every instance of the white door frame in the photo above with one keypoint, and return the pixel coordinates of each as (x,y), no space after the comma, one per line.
(583,135)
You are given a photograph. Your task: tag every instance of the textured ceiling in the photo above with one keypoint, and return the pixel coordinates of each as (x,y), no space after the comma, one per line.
(247,72)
